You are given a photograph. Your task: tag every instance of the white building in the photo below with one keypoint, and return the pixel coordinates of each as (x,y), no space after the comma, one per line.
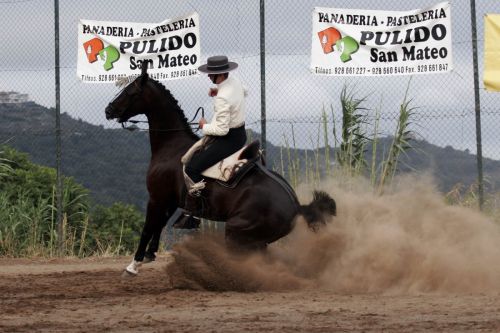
(13,97)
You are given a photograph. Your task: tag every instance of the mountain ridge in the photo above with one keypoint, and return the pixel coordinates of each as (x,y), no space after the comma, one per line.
(112,163)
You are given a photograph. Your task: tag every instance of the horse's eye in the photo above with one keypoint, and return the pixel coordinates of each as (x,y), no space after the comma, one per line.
(133,92)
(119,93)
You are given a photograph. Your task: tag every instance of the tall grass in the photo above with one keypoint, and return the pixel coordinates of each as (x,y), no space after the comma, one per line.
(324,120)
(375,139)
(350,145)
(400,143)
(27,230)
(350,142)
(5,168)
(22,231)
(353,142)
(468,196)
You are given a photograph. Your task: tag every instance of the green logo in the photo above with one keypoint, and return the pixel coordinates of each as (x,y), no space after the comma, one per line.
(347,46)
(109,55)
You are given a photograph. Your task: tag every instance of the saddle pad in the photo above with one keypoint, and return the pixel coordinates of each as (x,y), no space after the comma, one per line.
(223,170)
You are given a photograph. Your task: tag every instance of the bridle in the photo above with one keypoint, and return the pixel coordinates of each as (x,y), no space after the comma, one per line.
(192,123)
(134,127)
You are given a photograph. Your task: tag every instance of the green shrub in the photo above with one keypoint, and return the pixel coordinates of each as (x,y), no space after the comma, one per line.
(28,214)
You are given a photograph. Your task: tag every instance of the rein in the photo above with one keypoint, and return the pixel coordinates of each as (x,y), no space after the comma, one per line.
(191,123)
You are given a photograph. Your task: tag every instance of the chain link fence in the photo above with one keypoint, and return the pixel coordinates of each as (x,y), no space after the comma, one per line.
(295,98)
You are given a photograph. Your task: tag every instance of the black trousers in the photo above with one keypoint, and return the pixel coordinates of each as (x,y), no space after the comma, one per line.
(220,148)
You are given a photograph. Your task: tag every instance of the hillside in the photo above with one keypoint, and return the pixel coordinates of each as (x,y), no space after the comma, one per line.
(112,163)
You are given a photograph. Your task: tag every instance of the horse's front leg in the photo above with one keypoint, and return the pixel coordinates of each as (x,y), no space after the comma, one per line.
(154,244)
(155,220)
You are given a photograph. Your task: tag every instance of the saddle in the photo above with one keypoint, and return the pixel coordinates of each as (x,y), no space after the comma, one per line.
(233,168)
(229,171)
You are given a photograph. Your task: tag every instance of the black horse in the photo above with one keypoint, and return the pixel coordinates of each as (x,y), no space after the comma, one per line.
(260,210)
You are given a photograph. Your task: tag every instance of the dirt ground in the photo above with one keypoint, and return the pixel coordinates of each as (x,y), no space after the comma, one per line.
(89,295)
(402,262)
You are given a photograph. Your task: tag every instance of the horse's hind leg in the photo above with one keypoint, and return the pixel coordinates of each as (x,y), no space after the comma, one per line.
(244,236)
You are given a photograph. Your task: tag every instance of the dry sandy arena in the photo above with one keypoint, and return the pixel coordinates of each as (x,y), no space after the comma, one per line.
(404,262)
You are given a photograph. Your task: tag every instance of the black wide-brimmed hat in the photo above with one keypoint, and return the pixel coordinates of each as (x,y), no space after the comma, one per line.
(217,65)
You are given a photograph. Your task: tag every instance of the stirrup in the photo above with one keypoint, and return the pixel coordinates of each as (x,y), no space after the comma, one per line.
(187,221)
(194,189)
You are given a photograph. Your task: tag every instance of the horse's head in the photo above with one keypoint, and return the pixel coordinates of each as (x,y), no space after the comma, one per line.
(147,96)
(129,102)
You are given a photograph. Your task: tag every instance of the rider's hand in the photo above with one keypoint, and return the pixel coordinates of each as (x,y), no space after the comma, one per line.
(212,92)
(202,122)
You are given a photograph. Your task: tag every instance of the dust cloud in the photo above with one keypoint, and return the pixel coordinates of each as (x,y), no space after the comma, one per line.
(404,242)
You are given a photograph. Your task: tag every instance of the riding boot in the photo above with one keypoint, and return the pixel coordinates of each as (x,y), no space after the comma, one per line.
(192,205)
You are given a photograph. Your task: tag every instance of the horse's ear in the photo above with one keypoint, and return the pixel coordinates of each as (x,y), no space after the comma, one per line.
(144,72)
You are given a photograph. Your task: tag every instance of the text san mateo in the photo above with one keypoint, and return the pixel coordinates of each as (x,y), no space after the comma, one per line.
(415,34)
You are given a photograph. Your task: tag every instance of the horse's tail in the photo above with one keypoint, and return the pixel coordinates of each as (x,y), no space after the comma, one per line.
(318,211)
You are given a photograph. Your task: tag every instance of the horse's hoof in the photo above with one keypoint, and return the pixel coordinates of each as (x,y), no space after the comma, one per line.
(133,268)
(126,275)
(147,259)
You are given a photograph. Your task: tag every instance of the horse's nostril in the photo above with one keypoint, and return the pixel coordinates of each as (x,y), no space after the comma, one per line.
(108,111)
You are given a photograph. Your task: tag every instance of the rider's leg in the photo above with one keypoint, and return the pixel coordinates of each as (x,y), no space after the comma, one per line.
(219,149)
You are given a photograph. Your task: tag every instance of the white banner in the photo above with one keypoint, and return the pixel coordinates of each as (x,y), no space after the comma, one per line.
(373,42)
(110,50)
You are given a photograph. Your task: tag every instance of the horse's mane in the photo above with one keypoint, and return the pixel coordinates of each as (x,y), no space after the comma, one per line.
(173,101)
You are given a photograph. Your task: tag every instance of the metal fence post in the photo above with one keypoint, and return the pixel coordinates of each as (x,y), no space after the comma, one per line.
(60,227)
(477,99)
(263,76)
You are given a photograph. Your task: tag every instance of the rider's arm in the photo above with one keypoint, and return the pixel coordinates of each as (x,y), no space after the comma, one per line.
(219,125)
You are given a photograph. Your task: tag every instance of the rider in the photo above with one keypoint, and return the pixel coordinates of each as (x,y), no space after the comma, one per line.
(227,127)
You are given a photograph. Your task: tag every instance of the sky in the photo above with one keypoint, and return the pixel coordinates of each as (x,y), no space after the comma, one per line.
(294,97)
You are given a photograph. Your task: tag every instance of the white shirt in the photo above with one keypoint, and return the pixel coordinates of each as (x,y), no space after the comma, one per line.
(229,107)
